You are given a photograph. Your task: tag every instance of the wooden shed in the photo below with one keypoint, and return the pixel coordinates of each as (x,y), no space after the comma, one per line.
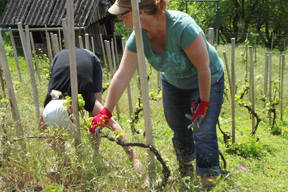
(91,16)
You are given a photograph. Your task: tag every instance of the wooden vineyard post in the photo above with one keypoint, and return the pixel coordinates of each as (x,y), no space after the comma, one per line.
(53,46)
(144,87)
(49,48)
(104,55)
(87,42)
(252,85)
(113,56)
(279,77)
(15,52)
(211,33)
(65,34)
(35,57)
(116,50)
(73,73)
(80,42)
(60,42)
(270,84)
(228,70)
(128,91)
(11,93)
(281,88)
(246,63)
(29,62)
(107,45)
(233,90)
(266,77)
(55,42)
(92,44)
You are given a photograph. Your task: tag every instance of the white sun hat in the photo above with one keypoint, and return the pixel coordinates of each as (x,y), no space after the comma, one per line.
(55,115)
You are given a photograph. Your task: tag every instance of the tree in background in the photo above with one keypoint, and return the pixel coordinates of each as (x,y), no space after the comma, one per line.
(2,6)
(238,17)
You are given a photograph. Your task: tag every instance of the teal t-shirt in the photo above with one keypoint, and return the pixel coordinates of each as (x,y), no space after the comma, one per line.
(181,30)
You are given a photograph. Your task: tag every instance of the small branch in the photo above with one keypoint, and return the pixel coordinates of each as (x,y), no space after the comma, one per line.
(223,159)
(254,114)
(31,137)
(226,134)
(165,170)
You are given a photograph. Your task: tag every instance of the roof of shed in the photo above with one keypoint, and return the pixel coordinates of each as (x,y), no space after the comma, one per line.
(37,13)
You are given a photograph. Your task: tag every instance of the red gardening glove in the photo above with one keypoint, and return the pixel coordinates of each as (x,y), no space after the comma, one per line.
(198,111)
(99,121)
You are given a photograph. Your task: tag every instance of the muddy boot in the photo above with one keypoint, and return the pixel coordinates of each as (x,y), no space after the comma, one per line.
(186,170)
(209,182)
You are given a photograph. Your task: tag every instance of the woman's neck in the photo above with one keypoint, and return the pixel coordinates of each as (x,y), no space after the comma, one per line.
(154,24)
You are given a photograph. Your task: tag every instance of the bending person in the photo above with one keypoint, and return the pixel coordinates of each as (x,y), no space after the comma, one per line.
(192,72)
(89,74)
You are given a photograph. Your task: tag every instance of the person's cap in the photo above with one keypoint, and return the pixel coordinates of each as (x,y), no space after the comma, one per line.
(121,6)
(56,115)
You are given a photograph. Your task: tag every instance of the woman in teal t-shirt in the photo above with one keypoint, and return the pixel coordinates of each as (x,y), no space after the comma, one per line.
(192,77)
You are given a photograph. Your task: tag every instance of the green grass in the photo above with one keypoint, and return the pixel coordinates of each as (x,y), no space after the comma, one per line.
(255,166)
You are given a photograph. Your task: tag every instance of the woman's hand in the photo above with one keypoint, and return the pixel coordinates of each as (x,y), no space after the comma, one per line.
(99,121)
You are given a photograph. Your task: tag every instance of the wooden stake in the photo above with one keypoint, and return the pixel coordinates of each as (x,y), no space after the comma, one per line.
(252,85)
(49,48)
(73,73)
(11,92)
(28,57)
(60,42)
(281,88)
(211,34)
(87,41)
(104,55)
(65,34)
(270,84)
(144,87)
(227,69)
(2,80)
(15,52)
(116,49)
(233,89)
(93,46)
(107,44)
(266,77)
(55,42)
(80,42)
(279,77)
(35,57)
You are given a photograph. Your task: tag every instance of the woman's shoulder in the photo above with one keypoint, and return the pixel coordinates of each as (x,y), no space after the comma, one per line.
(178,19)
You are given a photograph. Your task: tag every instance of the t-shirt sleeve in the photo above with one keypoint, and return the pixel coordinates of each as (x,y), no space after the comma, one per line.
(89,99)
(97,75)
(131,43)
(189,32)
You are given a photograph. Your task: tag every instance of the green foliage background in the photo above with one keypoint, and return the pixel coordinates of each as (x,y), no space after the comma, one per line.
(254,163)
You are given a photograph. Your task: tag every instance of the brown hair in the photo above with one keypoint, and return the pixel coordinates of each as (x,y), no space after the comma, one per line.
(156,7)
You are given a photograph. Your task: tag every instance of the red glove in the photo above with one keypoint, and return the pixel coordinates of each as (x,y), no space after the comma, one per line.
(198,111)
(100,120)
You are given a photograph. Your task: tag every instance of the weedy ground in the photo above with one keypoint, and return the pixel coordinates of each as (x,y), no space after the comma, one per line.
(254,163)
